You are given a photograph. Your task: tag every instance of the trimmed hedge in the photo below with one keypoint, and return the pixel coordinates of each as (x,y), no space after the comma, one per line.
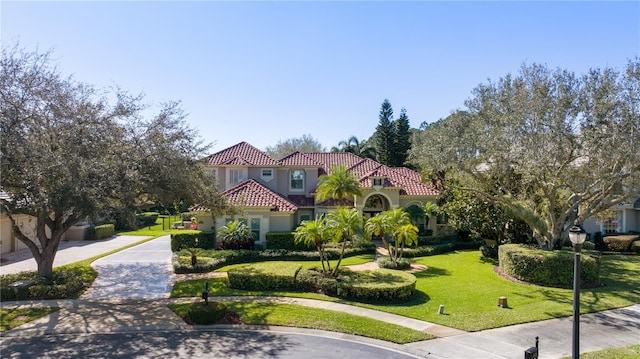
(635,247)
(187,239)
(213,259)
(67,282)
(381,285)
(547,268)
(620,243)
(437,239)
(285,240)
(386,262)
(202,314)
(101,231)
(264,276)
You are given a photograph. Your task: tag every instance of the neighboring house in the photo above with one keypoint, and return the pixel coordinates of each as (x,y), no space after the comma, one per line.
(10,243)
(278,194)
(622,218)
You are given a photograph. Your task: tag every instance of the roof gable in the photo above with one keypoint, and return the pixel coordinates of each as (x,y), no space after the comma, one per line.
(242,154)
(252,194)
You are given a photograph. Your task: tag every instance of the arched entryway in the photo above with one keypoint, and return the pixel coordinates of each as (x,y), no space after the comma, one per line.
(375,204)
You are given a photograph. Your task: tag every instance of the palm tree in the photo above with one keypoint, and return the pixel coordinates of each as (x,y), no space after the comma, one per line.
(378,226)
(315,233)
(345,223)
(340,184)
(396,223)
(236,235)
(406,234)
(357,147)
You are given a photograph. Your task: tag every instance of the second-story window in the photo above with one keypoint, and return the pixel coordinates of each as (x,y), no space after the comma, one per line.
(377,181)
(235,176)
(297,180)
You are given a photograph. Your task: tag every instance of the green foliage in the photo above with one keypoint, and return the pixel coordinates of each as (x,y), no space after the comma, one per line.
(13,318)
(438,239)
(147,219)
(385,135)
(381,285)
(192,239)
(71,151)
(340,184)
(635,247)
(548,268)
(235,235)
(286,240)
(401,264)
(66,282)
(211,260)
(101,231)
(598,240)
(619,243)
(393,225)
(264,276)
(522,142)
(199,313)
(489,252)
(306,143)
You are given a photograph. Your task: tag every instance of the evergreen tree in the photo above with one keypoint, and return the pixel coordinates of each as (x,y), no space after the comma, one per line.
(402,142)
(384,135)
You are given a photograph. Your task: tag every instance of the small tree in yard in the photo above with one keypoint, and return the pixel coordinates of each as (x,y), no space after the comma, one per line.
(344,223)
(68,153)
(396,224)
(316,233)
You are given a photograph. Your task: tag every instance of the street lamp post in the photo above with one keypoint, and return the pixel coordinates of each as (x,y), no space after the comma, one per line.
(577,235)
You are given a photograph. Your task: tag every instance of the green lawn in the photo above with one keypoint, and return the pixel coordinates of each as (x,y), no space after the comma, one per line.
(469,290)
(12,318)
(291,315)
(630,352)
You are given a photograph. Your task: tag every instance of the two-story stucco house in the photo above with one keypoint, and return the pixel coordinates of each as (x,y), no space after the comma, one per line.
(277,194)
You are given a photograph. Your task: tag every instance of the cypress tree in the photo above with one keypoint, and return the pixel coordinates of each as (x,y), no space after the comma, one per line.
(402,142)
(385,134)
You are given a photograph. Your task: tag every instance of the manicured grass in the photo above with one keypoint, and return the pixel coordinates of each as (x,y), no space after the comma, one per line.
(469,289)
(291,315)
(630,352)
(12,318)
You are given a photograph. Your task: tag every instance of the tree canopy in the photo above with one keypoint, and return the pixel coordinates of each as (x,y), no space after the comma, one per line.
(71,152)
(306,143)
(550,146)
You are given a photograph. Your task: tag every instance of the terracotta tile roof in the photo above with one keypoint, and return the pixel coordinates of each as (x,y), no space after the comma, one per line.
(242,154)
(252,194)
(299,159)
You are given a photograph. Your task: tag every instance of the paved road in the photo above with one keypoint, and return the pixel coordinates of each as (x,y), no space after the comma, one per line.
(195,344)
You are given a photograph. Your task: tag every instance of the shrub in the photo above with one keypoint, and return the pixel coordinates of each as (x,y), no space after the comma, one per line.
(147,219)
(548,268)
(66,282)
(192,239)
(437,239)
(619,243)
(386,262)
(489,252)
(101,231)
(635,247)
(199,313)
(264,276)
(381,285)
(209,260)
(285,240)
(429,250)
(589,246)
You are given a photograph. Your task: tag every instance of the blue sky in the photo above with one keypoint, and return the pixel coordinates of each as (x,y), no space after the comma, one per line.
(267,71)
